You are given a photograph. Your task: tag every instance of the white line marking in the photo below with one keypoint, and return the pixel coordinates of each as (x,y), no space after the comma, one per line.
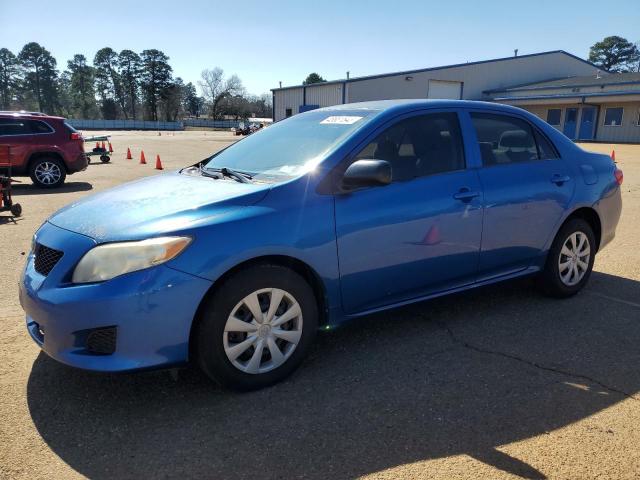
(619,300)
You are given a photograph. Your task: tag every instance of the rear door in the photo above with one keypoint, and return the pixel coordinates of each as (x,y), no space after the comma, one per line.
(527,187)
(14,141)
(420,234)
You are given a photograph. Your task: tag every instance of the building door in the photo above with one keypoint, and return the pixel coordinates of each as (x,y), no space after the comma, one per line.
(445,89)
(587,121)
(570,122)
(420,234)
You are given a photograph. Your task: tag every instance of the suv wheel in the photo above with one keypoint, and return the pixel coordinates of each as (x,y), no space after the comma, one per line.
(570,260)
(257,327)
(47,172)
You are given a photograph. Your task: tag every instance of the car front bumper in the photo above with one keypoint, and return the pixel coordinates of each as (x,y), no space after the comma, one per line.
(150,311)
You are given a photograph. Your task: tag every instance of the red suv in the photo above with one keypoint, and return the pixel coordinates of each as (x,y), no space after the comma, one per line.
(43,147)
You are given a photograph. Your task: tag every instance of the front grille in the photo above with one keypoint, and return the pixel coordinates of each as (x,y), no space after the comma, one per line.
(46,258)
(102,341)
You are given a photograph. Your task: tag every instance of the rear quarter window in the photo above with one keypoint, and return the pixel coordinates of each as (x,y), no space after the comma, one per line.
(37,126)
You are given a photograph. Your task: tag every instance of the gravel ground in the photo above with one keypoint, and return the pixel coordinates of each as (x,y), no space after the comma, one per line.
(499,382)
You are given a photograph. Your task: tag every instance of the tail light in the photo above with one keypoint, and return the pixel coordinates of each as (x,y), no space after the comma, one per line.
(619,175)
(76,136)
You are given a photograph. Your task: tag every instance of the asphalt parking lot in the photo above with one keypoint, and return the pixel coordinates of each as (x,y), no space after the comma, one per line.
(499,382)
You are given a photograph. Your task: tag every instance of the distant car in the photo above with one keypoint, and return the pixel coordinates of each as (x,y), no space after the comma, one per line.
(329,215)
(247,128)
(42,147)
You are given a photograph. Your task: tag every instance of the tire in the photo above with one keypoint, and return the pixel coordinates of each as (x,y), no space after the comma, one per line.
(105,158)
(47,172)
(565,275)
(16,209)
(227,351)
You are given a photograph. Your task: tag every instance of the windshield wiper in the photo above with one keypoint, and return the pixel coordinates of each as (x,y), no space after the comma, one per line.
(241,177)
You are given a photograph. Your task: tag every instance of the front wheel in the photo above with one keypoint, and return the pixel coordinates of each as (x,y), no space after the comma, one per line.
(570,260)
(257,327)
(47,172)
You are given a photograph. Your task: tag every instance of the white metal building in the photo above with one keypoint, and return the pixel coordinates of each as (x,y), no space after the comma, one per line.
(463,81)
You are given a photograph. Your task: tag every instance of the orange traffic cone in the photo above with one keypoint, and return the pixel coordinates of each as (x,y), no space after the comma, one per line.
(102,146)
(97,144)
(613,155)
(433,236)
(110,148)
(143,160)
(129,157)
(158,163)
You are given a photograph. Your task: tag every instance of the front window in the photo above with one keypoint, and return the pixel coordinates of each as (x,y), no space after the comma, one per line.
(292,147)
(613,117)
(419,146)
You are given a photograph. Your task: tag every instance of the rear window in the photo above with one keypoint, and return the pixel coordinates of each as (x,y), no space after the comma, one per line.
(70,128)
(504,139)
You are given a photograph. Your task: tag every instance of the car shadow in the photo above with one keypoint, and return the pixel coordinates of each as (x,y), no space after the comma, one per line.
(29,189)
(463,374)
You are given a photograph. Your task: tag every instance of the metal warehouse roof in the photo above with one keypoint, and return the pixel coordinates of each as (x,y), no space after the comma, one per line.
(606,79)
(409,72)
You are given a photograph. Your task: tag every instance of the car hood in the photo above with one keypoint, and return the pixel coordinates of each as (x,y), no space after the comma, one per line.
(155,205)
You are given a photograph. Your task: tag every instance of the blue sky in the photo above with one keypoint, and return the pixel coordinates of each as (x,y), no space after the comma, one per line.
(268,41)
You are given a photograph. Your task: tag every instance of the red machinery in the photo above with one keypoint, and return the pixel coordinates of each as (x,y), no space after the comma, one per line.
(6,202)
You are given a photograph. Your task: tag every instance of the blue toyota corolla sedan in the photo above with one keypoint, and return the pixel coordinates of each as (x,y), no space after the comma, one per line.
(236,262)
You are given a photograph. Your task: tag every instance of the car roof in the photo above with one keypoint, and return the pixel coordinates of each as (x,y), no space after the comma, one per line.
(401,105)
(29,115)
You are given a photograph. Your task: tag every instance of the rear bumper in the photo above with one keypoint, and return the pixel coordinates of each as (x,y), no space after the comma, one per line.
(79,163)
(151,311)
(609,209)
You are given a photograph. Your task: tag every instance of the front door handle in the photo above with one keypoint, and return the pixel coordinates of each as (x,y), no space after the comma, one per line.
(559,179)
(466,195)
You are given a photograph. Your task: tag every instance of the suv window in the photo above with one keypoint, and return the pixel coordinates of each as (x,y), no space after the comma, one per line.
(504,139)
(37,126)
(14,126)
(419,146)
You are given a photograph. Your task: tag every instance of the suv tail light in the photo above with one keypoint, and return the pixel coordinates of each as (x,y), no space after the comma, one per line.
(619,175)
(76,136)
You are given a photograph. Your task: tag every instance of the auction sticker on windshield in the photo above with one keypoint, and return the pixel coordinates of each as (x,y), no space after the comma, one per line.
(341,120)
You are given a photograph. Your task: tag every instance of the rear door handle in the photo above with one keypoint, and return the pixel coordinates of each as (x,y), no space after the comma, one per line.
(559,179)
(466,195)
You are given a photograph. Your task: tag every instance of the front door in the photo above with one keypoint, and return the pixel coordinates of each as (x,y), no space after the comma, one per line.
(570,122)
(420,234)
(527,188)
(587,120)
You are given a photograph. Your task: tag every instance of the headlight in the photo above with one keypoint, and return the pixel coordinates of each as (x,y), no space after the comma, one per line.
(112,259)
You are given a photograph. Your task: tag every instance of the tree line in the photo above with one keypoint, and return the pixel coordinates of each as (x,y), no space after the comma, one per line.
(119,85)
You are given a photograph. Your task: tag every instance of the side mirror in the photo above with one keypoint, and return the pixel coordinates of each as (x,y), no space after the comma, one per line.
(367,173)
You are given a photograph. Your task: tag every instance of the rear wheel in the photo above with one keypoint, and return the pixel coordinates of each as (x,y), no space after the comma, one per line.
(47,172)
(257,327)
(570,260)
(16,210)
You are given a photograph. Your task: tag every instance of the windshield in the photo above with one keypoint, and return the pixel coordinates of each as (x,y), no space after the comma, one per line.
(291,147)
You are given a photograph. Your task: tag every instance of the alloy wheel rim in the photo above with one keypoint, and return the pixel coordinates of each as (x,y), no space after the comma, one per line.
(263,330)
(573,261)
(48,173)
